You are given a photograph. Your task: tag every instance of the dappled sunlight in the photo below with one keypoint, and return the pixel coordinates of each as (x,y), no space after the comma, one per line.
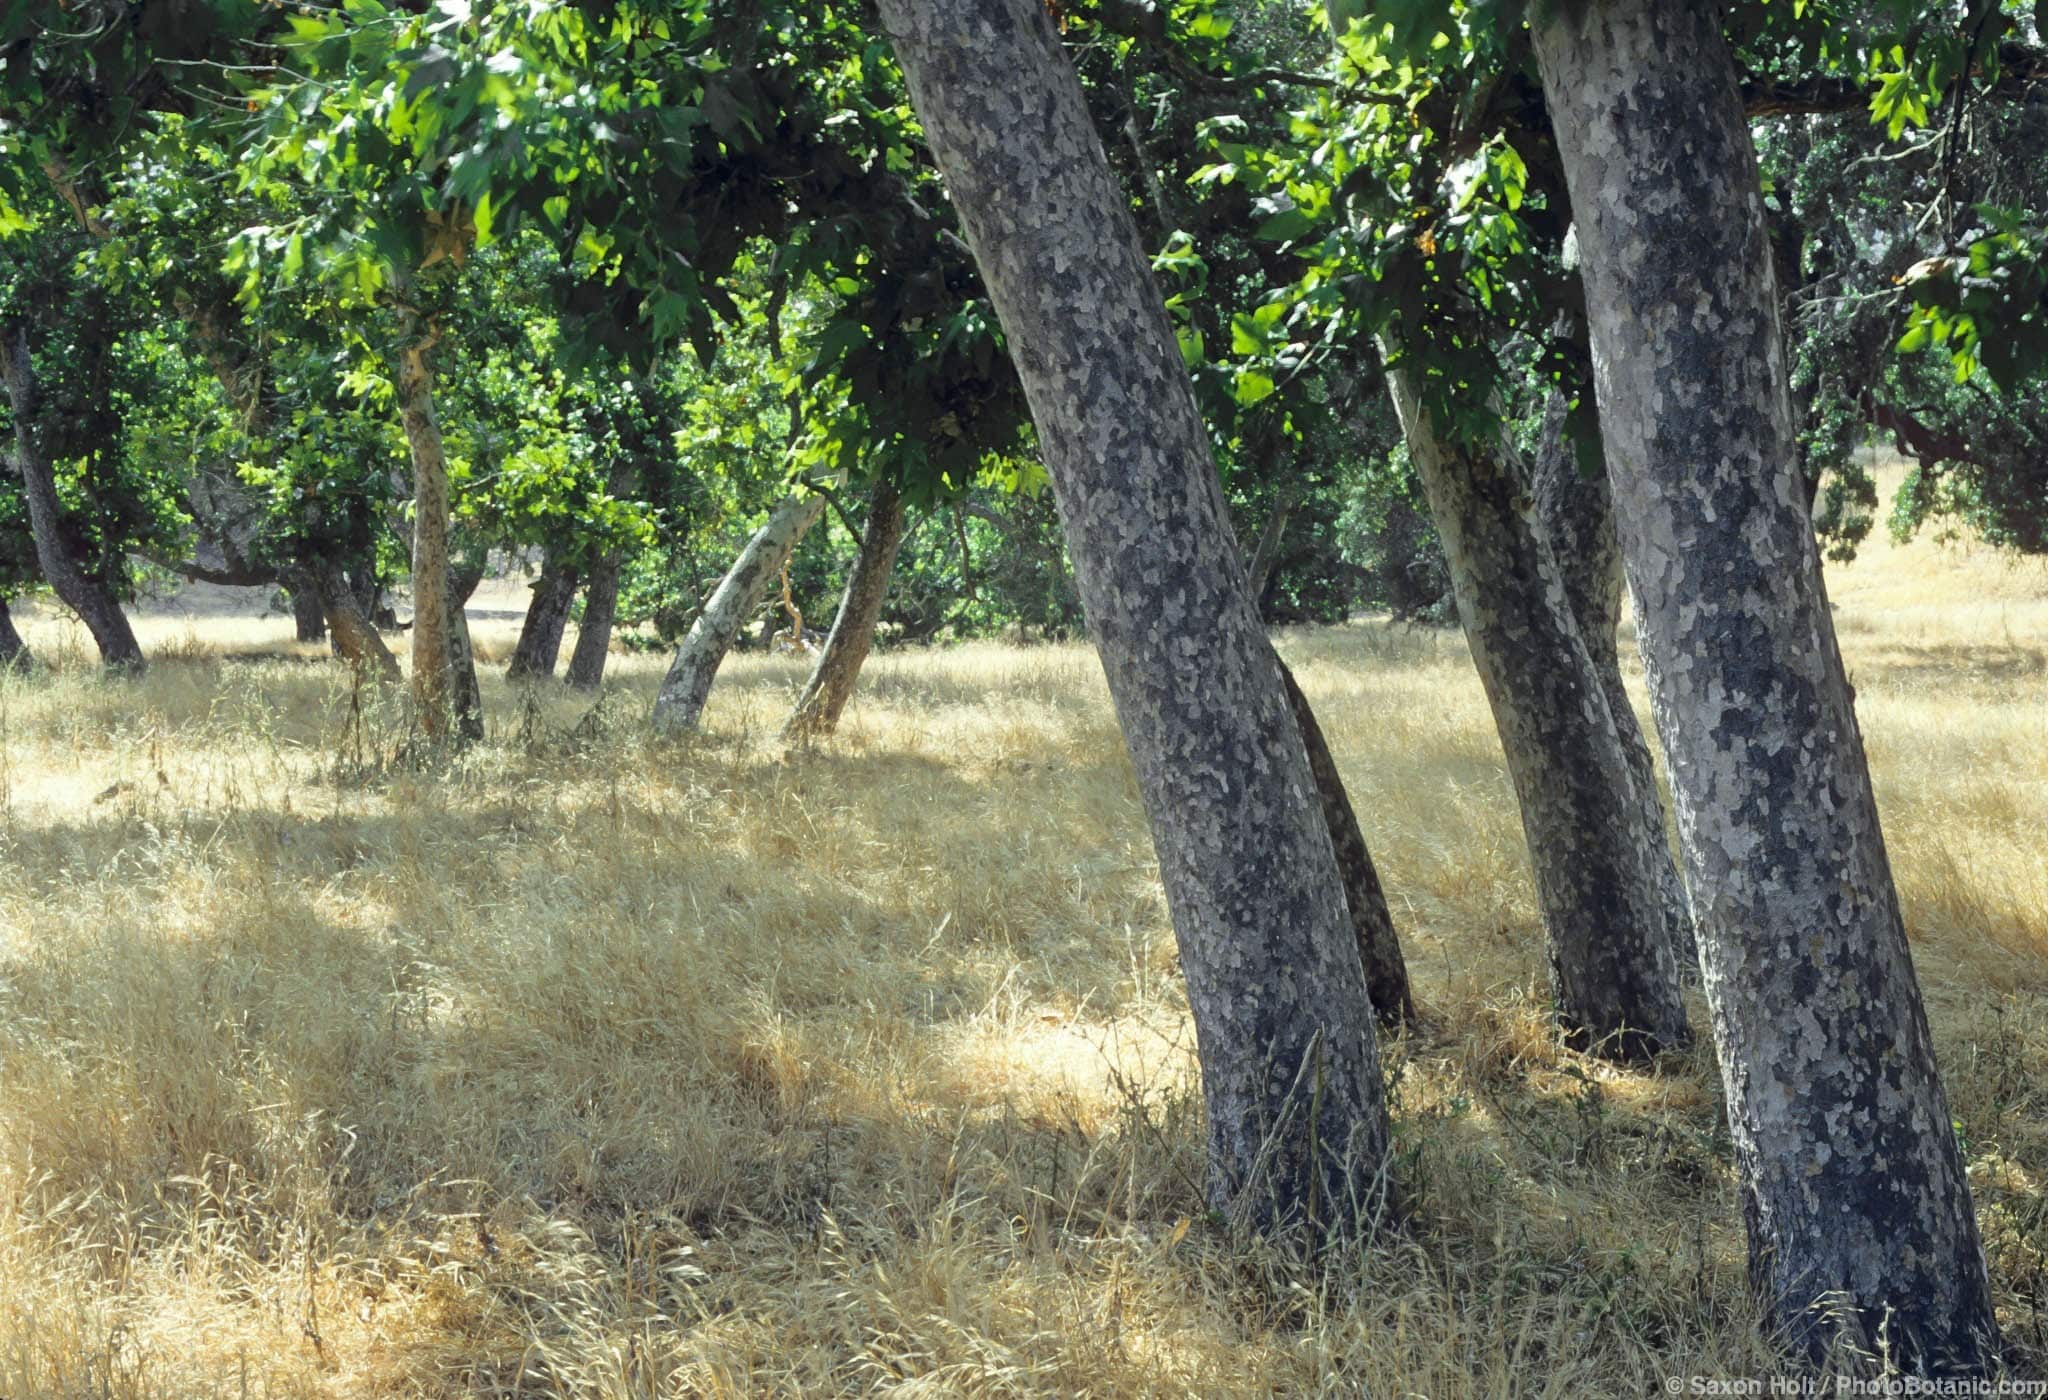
(594,1063)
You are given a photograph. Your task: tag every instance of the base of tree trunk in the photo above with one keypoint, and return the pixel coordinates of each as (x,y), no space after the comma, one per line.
(309,613)
(831,685)
(1386,971)
(14,651)
(547,617)
(594,637)
(354,638)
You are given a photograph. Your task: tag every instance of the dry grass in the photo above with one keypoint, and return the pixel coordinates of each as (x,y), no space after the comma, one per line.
(600,1067)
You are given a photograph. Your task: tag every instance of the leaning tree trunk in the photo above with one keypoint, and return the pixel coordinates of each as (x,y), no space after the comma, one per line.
(79,591)
(354,637)
(680,704)
(540,636)
(1596,862)
(433,646)
(1386,971)
(1859,1214)
(594,636)
(1576,514)
(14,651)
(1267,552)
(853,630)
(1283,1021)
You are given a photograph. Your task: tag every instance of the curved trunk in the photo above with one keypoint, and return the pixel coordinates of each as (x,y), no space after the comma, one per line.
(433,641)
(354,638)
(80,592)
(594,637)
(1283,1022)
(853,630)
(1386,971)
(1859,1215)
(14,651)
(540,636)
(680,705)
(1612,974)
(1576,515)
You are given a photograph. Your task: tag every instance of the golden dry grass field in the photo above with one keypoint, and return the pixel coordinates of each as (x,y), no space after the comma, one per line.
(603,1067)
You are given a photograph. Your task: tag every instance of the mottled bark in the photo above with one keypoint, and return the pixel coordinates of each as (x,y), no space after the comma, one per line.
(680,705)
(1386,970)
(433,645)
(1859,1214)
(1283,1022)
(594,636)
(547,615)
(354,638)
(79,591)
(853,630)
(1576,514)
(1613,978)
(14,651)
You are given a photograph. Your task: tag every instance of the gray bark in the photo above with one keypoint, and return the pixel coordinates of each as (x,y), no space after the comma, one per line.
(1859,1215)
(547,615)
(1283,1022)
(853,630)
(80,592)
(14,651)
(1386,970)
(1613,978)
(680,705)
(1576,514)
(594,636)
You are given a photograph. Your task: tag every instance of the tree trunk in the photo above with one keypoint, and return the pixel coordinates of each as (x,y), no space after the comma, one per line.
(1859,1214)
(540,637)
(1576,514)
(354,637)
(680,705)
(14,651)
(80,592)
(433,645)
(368,591)
(1612,974)
(853,630)
(465,696)
(1268,551)
(1386,971)
(309,613)
(1283,1022)
(594,637)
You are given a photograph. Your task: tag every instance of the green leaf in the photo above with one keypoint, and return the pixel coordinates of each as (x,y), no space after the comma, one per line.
(1285,226)
(1253,386)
